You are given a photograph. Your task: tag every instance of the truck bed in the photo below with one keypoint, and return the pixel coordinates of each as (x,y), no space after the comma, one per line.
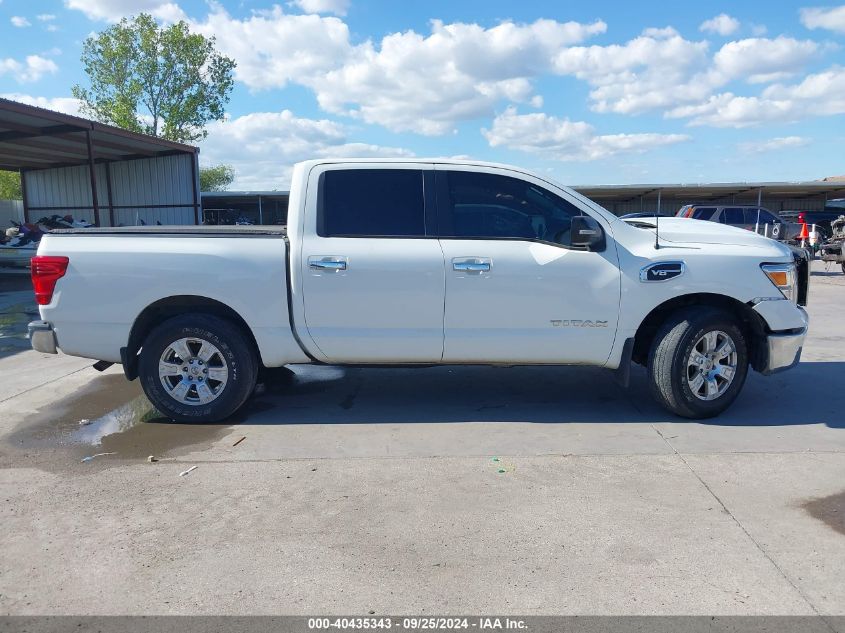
(115,274)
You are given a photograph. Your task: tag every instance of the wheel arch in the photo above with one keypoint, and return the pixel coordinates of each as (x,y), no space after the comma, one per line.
(750,322)
(168,307)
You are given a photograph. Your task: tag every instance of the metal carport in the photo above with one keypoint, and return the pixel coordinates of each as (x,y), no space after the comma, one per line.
(668,198)
(100,173)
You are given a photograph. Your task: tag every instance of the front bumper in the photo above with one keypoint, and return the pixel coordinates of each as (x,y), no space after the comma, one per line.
(42,337)
(784,351)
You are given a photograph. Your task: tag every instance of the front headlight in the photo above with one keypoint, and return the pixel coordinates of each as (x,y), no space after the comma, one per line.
(783,276)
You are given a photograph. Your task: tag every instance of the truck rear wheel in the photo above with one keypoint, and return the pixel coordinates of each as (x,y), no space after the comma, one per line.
(698,362)
(197,368)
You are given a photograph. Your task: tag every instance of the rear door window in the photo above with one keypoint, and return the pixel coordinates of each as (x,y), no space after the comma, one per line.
(703,213)
(732,215)
(768,218)
(753,216)
(371,203)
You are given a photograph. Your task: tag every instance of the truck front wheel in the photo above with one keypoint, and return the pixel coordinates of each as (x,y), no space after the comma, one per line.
(197,368)
(698,362)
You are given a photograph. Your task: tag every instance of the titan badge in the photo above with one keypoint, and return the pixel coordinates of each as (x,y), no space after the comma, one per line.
(577,323)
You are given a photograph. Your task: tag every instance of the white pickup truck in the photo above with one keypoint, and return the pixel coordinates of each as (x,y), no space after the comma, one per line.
(422,262)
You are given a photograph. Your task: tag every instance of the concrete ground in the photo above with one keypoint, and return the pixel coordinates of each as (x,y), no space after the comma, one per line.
(446,490)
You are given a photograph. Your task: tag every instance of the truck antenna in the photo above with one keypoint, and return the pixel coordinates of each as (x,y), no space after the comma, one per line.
(656,230)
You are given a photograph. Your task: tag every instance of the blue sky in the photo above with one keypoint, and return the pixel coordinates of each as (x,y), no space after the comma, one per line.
(598,92)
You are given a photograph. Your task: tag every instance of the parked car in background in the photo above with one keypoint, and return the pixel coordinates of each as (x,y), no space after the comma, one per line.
(749,217)
(833,248)
(820,217)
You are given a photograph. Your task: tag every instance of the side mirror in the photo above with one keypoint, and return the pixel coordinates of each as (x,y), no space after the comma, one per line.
(586,233)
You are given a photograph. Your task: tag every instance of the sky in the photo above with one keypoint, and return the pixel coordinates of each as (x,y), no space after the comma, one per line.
(600,92)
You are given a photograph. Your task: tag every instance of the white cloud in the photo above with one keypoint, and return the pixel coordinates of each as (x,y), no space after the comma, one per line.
(758,30)
(66,105)
(761,60)
(114,10)
(660,69)
(273,48)
(818,94)
(338,7)
(20,22)
(562,139)
(648,72)
(263,146)
(426,84)
(408,81)
(45,17)
(774,144)
(33,68)
(831,18)
(722,24)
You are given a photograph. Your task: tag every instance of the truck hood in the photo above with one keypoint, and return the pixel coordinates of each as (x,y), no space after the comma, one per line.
(688,231)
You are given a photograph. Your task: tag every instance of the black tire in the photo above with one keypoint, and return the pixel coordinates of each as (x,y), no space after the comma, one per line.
(671,350)
(236,354)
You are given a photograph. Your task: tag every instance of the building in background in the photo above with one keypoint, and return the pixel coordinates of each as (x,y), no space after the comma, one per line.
(775,196)
(270,207)
(95,172)
(256,207)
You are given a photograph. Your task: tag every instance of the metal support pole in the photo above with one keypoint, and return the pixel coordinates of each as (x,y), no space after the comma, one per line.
(93,173)
(760,197)
(260,212)
(108,190)
(658,201)
(23,195)
(194,180)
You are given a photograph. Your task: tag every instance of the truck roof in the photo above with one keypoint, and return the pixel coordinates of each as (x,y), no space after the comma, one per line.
(429,161)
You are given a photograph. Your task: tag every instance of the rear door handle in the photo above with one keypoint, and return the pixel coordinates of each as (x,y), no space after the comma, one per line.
(476,265)
(327,264)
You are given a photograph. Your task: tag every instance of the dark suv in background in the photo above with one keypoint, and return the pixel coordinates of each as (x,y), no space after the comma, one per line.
(821,218)
(764,222)
(746,217)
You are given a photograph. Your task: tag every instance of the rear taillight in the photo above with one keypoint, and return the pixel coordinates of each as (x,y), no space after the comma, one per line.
(46,271)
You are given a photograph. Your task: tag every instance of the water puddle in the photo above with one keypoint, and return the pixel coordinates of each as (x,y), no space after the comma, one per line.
(829,510)
(110,415)
(111,418)
(13,322)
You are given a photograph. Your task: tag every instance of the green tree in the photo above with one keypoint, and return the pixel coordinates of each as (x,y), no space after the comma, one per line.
(10,185)
(216,178)
(164,81)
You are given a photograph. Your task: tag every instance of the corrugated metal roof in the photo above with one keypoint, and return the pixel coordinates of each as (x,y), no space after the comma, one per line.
(37,138)
(714,190)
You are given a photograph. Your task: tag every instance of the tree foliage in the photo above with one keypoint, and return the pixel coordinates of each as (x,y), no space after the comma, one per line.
(216,178)
(10,185)
(164,81)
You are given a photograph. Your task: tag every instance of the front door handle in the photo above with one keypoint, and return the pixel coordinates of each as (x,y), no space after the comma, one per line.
(471,264)
(328,264)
